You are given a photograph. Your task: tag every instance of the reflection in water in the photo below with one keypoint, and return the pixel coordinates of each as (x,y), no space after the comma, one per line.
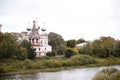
(73,74)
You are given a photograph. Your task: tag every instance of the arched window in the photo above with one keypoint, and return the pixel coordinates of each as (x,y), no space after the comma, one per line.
(36,40)
(33,40)
(41,42)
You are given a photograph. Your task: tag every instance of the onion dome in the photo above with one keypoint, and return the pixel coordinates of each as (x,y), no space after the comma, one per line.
(43,29)
(28,29)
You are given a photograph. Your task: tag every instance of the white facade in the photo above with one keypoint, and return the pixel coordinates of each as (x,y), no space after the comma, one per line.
(38,41)
(81,45)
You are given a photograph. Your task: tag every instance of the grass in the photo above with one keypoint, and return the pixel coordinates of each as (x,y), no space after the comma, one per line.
(12,66)
(108,74)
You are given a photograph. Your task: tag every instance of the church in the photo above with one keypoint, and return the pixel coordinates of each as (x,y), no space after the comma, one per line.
(38,40)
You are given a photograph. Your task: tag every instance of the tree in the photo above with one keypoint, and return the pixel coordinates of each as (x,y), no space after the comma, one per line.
(29,48)
(8,45)
(22,53)
(12,44)
(80,41)
(71,43)
(103,47)
(70,52)
(107,46)
(3,49)
(51,53)
(1,37)
(116,49)
(57,43)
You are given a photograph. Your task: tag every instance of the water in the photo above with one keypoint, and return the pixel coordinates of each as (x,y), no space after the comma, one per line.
(73,74)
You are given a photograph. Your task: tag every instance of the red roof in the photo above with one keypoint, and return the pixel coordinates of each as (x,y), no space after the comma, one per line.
(35,44)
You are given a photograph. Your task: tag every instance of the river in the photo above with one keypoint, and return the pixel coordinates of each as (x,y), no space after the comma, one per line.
(72,74)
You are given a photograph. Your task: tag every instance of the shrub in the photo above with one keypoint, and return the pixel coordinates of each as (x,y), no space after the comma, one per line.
(108,74)
(18,65)
(79,60)
(4,69)
(70,52)
(27,64)
(53,63)
(109,71)
(115,76)
(22,53)
(37,65)
(82,60)
(50,53)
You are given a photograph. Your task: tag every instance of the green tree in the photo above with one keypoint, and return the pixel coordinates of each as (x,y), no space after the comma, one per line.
(116,49)
(103,47)
(22,53)
(71,43)
(51,53)
(1,37)
(80,41)
(57,43)
(29,48)
(70,52)
(8,45)
(86,49)
(3,49)
(12,44)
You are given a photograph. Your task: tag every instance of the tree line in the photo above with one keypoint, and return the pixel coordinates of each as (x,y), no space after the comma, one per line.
(103,47)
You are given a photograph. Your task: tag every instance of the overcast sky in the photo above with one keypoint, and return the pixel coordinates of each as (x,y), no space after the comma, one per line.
(72,19)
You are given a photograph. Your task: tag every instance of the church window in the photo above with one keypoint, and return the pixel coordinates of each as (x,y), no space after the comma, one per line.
(36,40)
(41,42)
(33,40)
(39,49)
(45,48)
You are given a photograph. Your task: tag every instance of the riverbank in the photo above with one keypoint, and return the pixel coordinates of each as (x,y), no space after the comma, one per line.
(72,74)
(107,74)
(49,64)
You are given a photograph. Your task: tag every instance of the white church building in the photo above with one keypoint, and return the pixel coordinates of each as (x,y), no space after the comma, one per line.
(38,40)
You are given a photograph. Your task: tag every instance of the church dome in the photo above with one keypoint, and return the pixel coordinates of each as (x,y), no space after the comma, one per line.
(43,29)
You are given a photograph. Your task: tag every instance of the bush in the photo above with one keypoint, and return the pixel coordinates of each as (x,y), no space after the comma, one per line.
(70,52)
(18,65)
(79,60)
(53,63)
(50,53)
(38,65)
(82,60)
(115,76)
(4,69)
(108,74)
(109,71)
(22,53)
